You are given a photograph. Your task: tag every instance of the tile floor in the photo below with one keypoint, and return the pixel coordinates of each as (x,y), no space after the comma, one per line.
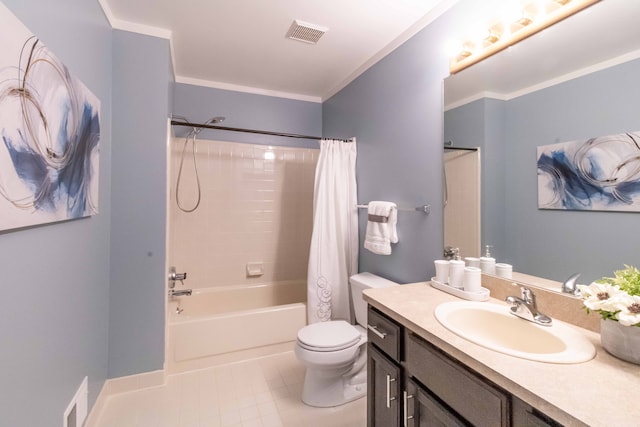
(255,393)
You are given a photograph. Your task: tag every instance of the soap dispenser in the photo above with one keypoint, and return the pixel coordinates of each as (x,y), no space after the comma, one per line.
(487,262)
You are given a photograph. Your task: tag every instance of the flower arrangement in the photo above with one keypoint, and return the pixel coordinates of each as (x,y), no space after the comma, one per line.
(615,298)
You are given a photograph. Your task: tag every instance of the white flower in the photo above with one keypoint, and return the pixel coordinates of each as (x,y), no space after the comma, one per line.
(602,296)
(629,314)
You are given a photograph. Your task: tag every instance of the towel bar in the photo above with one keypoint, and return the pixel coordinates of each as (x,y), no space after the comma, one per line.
(424,208)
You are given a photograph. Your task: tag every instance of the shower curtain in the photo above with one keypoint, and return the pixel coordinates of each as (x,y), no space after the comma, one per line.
(333,256)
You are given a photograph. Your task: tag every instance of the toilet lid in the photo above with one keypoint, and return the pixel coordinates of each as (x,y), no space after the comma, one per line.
(326,336)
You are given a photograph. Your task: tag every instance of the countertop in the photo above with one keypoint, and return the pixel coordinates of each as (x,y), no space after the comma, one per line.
(600,392)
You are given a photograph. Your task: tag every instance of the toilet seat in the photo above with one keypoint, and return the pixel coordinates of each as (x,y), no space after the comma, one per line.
(333,335)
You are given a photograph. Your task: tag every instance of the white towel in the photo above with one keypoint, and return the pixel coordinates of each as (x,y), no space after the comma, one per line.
(380,235)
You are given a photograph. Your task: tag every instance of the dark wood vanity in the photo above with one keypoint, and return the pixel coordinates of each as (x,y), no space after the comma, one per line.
(422,374)
(413,383)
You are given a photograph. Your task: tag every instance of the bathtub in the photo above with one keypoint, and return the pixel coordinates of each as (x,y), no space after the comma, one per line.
(218,325)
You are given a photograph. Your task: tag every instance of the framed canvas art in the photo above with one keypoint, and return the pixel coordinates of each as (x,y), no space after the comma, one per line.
(49,134)
(601,173)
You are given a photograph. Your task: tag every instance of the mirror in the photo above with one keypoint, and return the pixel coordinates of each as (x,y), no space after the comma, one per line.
(461,182)
(573,81)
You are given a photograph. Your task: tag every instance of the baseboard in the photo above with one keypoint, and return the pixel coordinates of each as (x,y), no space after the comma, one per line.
(123,385)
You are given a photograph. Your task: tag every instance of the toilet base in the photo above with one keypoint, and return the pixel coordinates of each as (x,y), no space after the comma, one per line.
(323,392)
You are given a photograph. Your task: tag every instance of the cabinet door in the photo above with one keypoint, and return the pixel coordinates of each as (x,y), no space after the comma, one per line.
(423,410)
(383,385)
(524,415)
(467,393)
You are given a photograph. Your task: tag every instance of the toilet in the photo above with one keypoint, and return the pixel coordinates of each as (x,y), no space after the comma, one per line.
(335,352)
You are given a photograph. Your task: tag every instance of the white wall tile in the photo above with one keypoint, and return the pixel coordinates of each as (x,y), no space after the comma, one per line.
(251,209)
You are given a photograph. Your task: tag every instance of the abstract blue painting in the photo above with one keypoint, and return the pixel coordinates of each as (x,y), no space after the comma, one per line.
(601,173)
(49,134)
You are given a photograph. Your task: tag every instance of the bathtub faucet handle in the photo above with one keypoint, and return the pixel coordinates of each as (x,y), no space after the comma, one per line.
(173,276)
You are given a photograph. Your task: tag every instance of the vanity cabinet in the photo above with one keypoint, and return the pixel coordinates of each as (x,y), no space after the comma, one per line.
(384,373)
(383,389)
(412,383)
(465,395)
(424,409)
(524,415)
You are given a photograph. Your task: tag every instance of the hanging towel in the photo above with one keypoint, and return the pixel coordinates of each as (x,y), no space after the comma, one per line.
(380,235)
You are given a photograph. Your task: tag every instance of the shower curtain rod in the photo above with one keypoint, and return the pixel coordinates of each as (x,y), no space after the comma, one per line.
(448,145)
(261,132)
(460,148)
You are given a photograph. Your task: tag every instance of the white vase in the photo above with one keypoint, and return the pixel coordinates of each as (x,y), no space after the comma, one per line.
(621,341)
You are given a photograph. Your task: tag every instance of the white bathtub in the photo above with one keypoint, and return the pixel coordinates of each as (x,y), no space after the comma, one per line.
(214,325)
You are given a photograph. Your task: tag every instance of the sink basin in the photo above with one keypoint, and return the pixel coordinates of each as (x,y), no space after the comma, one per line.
(492,326)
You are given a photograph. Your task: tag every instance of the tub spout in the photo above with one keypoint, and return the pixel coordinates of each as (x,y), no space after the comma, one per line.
(179,293)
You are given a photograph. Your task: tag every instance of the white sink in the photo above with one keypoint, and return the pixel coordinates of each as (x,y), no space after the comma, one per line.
(492,326)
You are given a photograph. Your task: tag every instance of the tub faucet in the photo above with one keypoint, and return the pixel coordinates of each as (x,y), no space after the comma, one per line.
(569,285)
(179,293)
(527,308)
(174,276)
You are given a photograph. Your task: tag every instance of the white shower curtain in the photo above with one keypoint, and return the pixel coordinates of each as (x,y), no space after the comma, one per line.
(333,256)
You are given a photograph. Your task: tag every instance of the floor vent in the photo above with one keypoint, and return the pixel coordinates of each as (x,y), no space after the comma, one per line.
(305,32)
(76,412)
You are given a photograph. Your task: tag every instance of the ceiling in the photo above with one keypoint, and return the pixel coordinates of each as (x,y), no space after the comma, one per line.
(241,44)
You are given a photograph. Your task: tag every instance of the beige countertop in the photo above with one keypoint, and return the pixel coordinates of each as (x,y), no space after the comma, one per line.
(600,392)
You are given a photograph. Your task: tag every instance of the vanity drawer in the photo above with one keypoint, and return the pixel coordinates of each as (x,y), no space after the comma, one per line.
(479,402)
(384,333)
(524,415)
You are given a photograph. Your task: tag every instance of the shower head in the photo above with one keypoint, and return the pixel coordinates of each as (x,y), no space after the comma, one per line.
(213,120)
(179,118)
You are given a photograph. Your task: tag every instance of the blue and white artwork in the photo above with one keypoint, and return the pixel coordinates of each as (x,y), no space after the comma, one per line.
(49,134)
(601,173)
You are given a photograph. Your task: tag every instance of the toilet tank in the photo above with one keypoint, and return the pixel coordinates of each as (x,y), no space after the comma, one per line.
(360,282)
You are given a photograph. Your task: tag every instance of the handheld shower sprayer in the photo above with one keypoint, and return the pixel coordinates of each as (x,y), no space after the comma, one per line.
(191,137)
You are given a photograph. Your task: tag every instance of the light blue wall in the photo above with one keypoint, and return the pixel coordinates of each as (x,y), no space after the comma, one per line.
(559,243)
(395,111)
(141,98)
(249,111)
(55,277)
(547,243)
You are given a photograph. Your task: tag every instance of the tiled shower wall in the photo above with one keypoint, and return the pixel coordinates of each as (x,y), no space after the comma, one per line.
(256,205)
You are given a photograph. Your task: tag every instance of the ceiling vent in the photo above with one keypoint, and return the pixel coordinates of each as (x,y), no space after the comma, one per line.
(305,32)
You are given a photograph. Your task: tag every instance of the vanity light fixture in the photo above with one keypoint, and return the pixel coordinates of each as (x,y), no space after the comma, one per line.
(491,36)
(530,18)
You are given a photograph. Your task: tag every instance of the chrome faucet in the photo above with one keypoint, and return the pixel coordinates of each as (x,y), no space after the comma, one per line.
(569,285)
(527,308)
(179,293)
